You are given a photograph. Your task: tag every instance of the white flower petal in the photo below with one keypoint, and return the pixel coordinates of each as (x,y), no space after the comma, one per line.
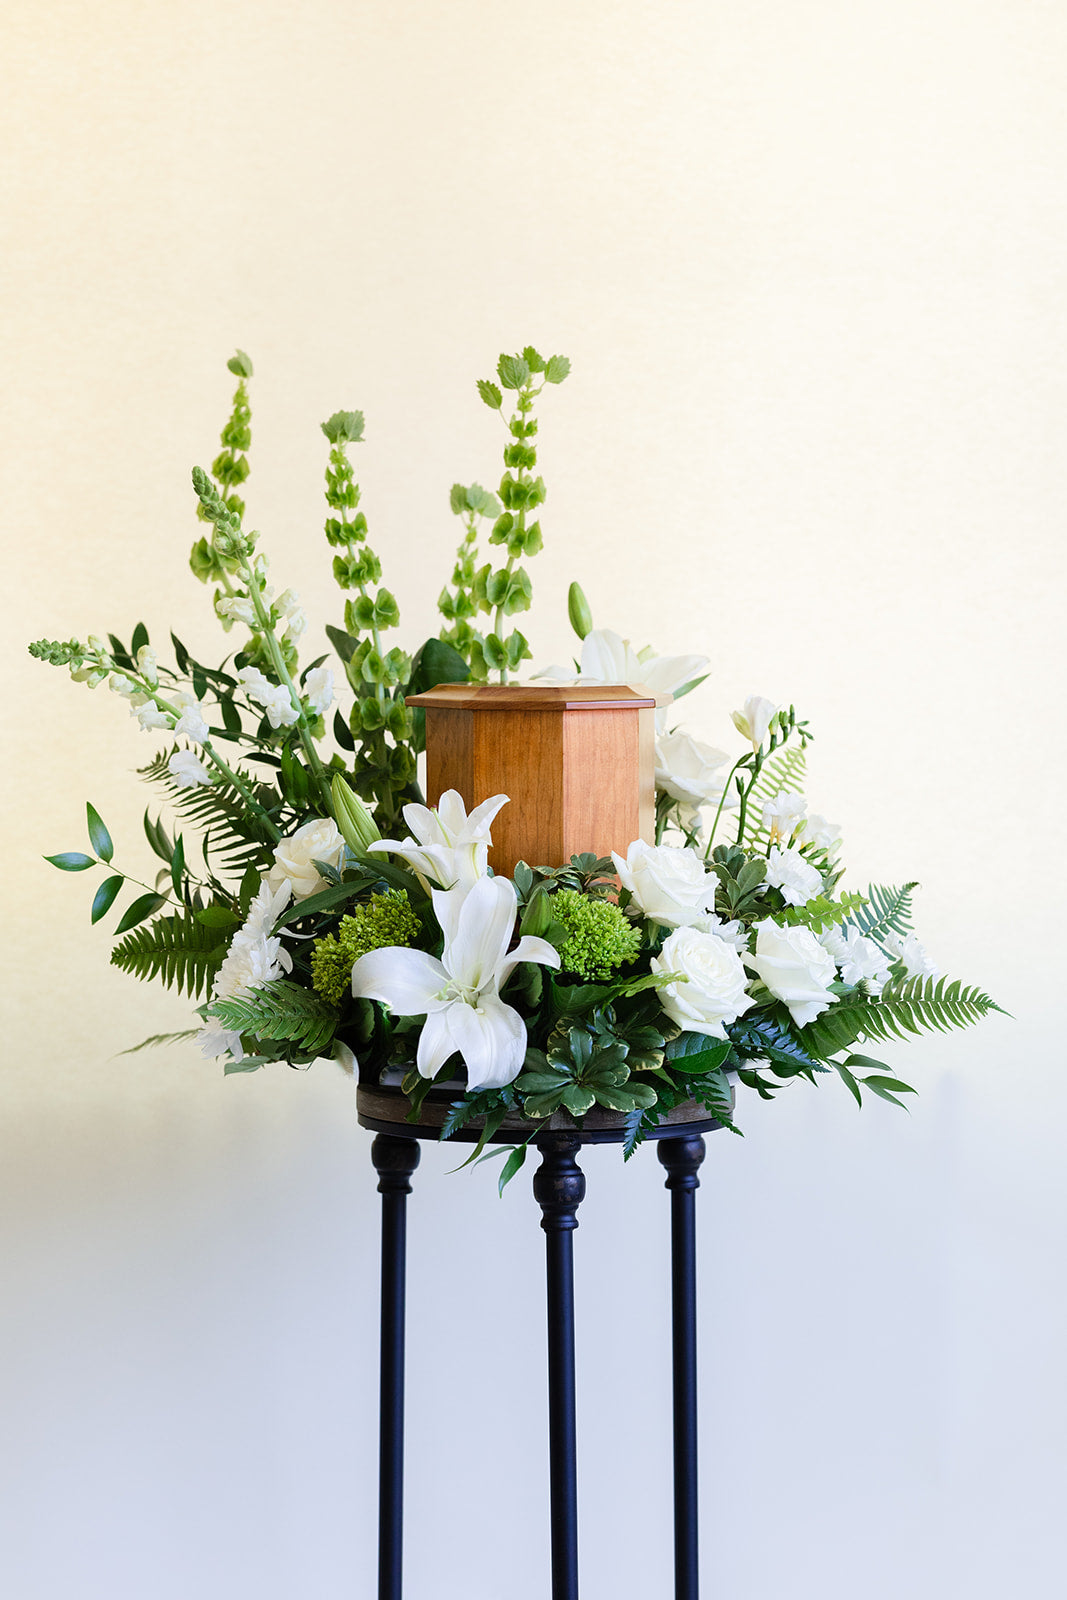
(529,948)
(407,981)
(436,1043)
(484,927)
(491,1037)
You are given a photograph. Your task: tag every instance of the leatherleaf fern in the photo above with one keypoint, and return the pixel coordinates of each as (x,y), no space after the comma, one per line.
(905,1006)
(281,1010)
(783,774)
(888,911)
(179,950)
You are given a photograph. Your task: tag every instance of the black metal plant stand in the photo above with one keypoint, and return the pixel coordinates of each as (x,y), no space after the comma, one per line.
(559,1188)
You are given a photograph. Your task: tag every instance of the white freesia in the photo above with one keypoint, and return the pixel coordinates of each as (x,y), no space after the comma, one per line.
(858,959)
(275,699)
(318,687)
(825,835)
(917,963)
(187,770)
(711,989)
(689,770)
(782,814)
(795,968)
(255,957)
(670,884)
(795,879)
(191,723)
(460,994)
(754,721)
(149,716)
(295,857)
(449,848)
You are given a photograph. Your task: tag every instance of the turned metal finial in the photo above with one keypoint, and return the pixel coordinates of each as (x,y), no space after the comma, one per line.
(394,1159)
(682,1157)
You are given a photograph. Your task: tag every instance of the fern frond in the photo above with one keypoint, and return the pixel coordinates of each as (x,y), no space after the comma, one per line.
(178,950)
(782,773)
(905,1006)
(154,1040)
(231,832)
(888,911)
(281,1010)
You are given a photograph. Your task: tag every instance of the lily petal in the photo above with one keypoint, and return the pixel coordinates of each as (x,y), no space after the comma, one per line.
(492,1040)
(529,948)
(407,981)
(482,816)
(484,927)
(436,1043)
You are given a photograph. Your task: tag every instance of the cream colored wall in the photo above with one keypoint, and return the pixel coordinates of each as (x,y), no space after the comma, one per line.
(808,261)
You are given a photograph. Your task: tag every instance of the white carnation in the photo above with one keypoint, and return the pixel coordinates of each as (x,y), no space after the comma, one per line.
(711,989)
(917,963)
(255,957)
(796,879)
(858,959)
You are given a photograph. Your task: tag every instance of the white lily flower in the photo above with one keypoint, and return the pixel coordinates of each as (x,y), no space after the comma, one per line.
(825,835)
(609,658)
(460,994)
(450,848)
(755,720)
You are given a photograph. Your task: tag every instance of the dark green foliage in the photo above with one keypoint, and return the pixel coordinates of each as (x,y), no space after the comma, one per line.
(281,1010)
(888,911)
(741,878)
(178,950)
(905,1006)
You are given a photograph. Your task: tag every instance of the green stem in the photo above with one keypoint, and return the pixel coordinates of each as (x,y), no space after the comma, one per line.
(722,801)
(263,617)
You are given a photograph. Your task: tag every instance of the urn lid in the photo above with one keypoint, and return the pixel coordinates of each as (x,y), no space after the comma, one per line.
(538,697)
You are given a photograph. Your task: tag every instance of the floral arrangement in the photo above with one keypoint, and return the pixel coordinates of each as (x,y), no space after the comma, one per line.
(723,953)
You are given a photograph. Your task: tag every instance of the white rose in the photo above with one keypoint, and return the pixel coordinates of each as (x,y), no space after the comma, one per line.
(187,769)
(755,720)
(795,968)
(858,958)
(711,991)
(670,884)
(795,879)
(318,840)
(688,770)
(917,963)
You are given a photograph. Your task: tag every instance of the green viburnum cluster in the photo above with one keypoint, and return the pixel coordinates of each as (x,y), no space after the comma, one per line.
(598,937)
(385,919)
(507,590)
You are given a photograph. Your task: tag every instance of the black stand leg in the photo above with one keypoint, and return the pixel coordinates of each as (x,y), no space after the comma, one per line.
(395,1159)
(559,1188)
(682,1157)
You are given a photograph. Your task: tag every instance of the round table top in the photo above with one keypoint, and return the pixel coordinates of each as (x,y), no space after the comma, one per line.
(384,1109)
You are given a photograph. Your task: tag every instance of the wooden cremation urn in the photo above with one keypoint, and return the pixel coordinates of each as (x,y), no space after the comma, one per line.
(578,763)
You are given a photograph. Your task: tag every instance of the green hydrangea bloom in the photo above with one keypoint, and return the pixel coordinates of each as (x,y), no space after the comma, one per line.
(599,936)
(384,919)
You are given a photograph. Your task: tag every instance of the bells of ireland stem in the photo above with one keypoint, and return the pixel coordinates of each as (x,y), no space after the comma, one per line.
(355,822)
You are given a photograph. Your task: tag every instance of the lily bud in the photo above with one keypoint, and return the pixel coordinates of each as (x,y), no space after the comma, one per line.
(537,918)
(357,826)
(581,618)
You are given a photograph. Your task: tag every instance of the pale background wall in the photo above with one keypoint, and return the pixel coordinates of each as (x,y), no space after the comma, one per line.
(807,258)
